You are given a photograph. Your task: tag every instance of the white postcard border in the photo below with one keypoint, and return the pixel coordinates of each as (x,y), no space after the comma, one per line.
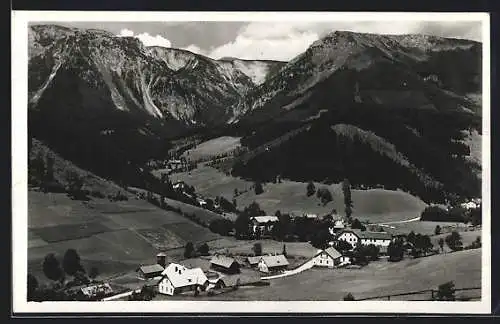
(19,139)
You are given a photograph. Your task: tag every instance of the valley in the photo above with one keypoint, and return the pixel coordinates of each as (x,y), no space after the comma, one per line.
(140,152)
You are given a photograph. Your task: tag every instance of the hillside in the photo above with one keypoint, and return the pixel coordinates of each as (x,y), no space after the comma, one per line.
(114,236)
(380,110)
(385,69)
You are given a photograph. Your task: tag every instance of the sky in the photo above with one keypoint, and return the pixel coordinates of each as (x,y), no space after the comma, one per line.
(267,40)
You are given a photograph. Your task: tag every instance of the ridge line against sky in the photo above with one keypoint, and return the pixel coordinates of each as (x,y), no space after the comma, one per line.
(280,41)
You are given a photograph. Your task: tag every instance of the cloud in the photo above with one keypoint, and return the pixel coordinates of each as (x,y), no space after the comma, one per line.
(284,41)
(195,49)
(146,38)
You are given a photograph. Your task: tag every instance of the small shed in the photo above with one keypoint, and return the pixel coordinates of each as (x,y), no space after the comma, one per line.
(150,271)
(224,264)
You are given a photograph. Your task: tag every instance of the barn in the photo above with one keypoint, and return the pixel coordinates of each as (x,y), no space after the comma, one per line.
(224,264)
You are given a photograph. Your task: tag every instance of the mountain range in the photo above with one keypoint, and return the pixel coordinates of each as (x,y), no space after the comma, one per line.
(397,110)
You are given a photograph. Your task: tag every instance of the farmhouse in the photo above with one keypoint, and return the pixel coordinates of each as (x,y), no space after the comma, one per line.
(329,258)
(253,261)
(272,263)
(263,223)
(150,271)
(224,264)
(177,279)
(353,237)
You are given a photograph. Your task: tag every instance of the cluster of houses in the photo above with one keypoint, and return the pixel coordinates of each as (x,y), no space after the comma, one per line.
(176,278)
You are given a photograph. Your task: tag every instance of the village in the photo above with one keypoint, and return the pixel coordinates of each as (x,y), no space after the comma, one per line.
(329,242)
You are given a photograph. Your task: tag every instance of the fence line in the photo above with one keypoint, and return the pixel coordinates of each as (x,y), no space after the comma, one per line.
(433,292)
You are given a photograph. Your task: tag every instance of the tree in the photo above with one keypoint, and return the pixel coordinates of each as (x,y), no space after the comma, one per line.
(454,241)
(321,238)
(242,225)
(49,171)
(346,190)
(395,250)
(344,246)
(188,250)
(372,252)
(203,249)
(257,249)
(356,224)
(437,230)
(359,255)
(221,226)
(441,244)
(75,184)
(446,291)
(71,262)
(258,188)
(349,297)
(324,195)
(32,287)
(422,245)
(37,169)
(311,189)
(52,268)
(93,273)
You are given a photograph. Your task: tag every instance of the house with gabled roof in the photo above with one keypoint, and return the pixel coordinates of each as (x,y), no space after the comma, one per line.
(264,224)
(177,279)
(150,271)
(329,258)
(272,263)
(355,236)
(224,264)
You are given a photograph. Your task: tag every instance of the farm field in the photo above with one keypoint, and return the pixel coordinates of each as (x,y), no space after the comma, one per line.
(114,236)
(376,279)
(374,205)
(216,146)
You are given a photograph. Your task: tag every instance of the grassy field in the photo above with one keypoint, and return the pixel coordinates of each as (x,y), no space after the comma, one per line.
(114,236)
(378,278)
(375,205)
(220,145)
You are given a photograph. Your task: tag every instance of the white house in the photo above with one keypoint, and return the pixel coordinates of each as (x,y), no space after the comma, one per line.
(353,237)
(177,278)
(272,263)
(264,223)
(330,258)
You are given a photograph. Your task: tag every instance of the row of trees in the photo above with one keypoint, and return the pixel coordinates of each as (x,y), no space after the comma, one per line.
(454,214)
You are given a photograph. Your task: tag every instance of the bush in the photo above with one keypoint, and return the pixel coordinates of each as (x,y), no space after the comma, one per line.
(356,224)
(221,226)
(454,241)
(188,250)
(203,249)
(438,214)
(311,189)
(446,291)
(349,297)
(324,195)
(258,188)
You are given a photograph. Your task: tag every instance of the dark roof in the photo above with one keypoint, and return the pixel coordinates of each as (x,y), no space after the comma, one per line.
(275,260)
(332,252)
(223,261)
(148,269)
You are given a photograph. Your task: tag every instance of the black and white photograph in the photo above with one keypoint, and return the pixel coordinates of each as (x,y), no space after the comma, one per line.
(304,162)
